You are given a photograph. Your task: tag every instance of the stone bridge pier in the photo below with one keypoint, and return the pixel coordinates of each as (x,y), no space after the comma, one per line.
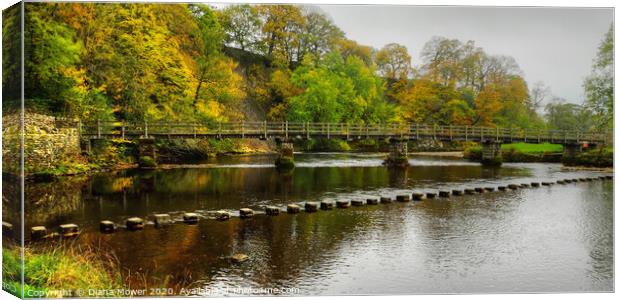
(570,153)
(491,153)
(285,156)
(398,154)
(147,153)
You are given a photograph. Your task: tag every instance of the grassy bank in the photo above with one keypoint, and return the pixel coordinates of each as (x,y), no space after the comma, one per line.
(51,270)
(522,152)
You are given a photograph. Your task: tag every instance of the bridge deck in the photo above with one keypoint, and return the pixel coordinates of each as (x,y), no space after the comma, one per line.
(288,130)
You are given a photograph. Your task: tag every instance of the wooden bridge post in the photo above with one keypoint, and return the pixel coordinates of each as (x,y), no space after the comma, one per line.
(265,128)
(123,129)
(98,128)
(466,137)
(328,133)
(242,129)
(307,130)
(146,129)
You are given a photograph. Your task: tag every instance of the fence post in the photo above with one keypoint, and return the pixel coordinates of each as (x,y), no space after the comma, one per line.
(123,129)
(146,129)
(347,130)
(98,129)
(328,131)
(194,129)
(450,131)
(481,134)
(466,137)
(286,129)
(265,128)
(219,130)
(539,136)
(243,129)
(307,130)
(496,133)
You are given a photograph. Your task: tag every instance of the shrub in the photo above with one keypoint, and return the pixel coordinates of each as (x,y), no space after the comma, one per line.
(147,162)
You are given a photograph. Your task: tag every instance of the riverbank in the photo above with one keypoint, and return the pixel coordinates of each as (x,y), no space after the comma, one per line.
(522,152)
(55,270)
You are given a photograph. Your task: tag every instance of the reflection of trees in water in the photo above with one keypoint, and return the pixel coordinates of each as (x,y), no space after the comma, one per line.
(44,202)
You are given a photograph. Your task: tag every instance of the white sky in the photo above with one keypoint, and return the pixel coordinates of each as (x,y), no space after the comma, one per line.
(553,45)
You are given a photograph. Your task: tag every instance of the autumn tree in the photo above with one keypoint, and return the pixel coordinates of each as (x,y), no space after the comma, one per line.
(393,61)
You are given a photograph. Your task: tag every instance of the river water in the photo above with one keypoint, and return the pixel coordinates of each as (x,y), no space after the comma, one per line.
(547,239)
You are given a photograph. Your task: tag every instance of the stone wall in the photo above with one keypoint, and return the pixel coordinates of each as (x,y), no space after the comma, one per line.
(47,143)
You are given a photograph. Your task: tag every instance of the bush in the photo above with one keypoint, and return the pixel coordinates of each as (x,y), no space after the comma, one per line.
(147,162)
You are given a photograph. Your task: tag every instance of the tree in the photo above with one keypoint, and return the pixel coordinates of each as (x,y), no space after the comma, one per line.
(538,94)
(567,116)
(282,25)
(338,91)
(349,48)
(599,86)
(393,61)
(242,25)
(318,36)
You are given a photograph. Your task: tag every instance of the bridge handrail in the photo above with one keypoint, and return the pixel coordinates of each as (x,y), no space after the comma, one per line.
(327,129)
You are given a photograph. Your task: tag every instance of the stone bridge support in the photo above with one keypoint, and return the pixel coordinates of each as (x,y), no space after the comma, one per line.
(570,153)
(491,153)
(398,154)
(147,153)
(285,156)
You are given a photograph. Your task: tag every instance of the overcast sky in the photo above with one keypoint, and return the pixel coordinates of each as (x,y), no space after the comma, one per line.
(553,45)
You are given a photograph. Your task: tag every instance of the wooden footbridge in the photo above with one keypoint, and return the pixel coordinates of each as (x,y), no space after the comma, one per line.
(290,130)
(285,132)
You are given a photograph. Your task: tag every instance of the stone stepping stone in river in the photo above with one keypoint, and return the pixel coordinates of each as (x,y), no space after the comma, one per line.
(311,207)
(293,209)
(222,215)
(107,226)
(385,200)
(272,210)
(246,213)
(134,223)
(327,205)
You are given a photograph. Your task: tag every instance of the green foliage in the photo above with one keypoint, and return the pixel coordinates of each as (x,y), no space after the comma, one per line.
(58,269)
(599,86)
(338,91)
(147,162)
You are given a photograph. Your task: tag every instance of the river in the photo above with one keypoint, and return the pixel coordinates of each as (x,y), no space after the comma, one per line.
(546,239)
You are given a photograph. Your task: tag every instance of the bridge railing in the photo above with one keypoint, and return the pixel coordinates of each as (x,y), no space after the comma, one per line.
(306,129)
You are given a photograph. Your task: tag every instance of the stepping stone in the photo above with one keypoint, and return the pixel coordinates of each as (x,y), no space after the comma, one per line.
(431,195)
(372,201)
(190,218)
(385,200)
(162,219)
(293,209)
(403,198)
(417,196)
(343,204)
(327,205)
(69,230)
(357,202)
(272,210)
(134,223)
(311,206)
(246,213)
(222,215)
(107,226)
